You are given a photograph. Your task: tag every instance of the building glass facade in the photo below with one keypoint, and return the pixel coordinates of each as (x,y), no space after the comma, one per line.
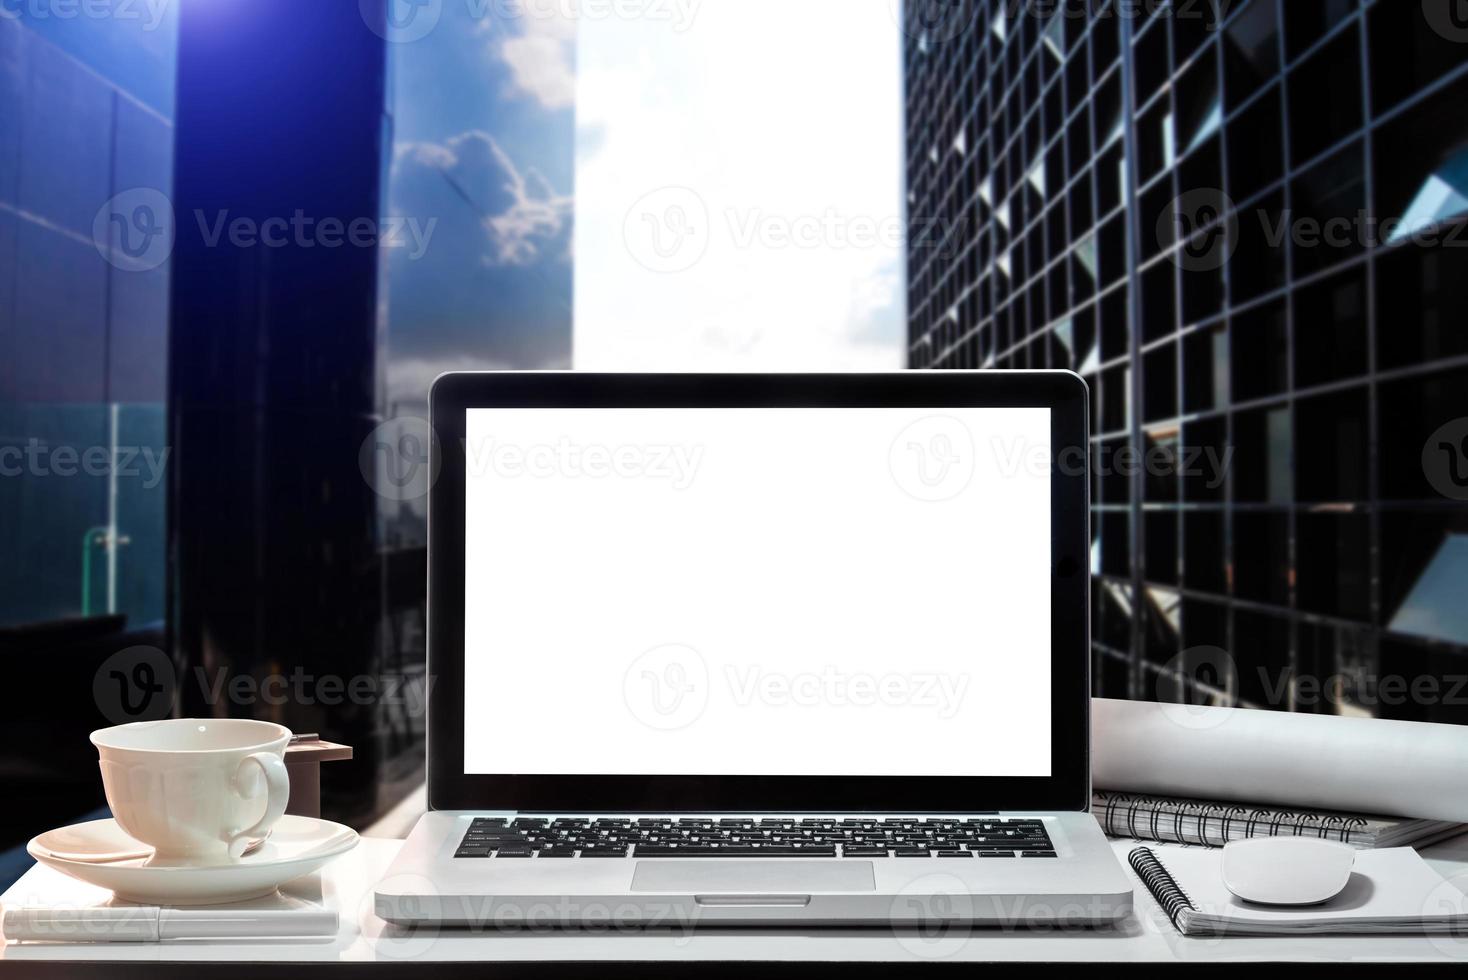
(1242,225)
(86,126)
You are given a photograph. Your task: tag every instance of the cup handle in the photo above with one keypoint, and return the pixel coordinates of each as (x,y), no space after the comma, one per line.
(277,795)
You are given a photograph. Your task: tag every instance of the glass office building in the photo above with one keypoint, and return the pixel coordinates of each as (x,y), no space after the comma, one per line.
(86,116)
(87,101)
(1242,224)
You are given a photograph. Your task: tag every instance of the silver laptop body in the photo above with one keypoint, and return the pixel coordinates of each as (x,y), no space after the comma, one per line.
(758,650)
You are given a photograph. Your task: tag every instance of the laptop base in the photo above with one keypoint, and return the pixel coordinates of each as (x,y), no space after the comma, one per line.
(1083,886)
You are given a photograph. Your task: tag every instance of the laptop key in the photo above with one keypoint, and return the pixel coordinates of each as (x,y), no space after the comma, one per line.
(604,852)
(513,852)
(955,854)
(558,852)
(1038,854)
(994,854)
(734,851)
(910,852)
(472,852)
(867,852)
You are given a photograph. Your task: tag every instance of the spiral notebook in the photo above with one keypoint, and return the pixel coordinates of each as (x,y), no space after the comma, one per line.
(1391,891)
(1213,824)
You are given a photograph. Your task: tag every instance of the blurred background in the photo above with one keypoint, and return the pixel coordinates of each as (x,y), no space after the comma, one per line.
(239,238)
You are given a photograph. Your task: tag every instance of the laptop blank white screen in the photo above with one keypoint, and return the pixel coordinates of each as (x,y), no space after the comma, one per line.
(769,591)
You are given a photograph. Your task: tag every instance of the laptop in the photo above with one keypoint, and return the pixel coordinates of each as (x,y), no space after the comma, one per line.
(757,650)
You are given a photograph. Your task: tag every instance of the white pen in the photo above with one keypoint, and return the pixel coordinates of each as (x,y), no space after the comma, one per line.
(150,924)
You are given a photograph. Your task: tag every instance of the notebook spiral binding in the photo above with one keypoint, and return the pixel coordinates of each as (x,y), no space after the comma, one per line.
(1168,893)
(1213,824)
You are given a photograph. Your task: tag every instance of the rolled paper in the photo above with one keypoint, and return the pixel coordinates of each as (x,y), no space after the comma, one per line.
(1327,762)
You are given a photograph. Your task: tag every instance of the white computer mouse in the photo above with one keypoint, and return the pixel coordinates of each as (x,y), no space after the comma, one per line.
(1287,870)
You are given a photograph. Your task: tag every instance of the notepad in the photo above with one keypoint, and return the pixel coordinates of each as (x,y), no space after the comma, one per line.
(58,909)
(1213,823)
(1391,891)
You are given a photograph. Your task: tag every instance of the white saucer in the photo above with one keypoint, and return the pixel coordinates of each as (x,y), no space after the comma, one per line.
(94,843)
(99,853)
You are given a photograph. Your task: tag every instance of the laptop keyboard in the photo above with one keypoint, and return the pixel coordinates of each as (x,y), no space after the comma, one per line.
(686,837)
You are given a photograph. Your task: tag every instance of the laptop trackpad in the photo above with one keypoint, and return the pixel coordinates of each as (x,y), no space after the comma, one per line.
(753,877)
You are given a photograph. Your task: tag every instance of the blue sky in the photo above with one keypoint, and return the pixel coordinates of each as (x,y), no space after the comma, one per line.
(514,117)
(491,160)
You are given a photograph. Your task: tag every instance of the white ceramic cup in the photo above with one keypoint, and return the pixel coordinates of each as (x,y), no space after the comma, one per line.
(197,790)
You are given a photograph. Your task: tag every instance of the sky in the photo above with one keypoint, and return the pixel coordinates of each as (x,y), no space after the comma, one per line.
(646,184)
(738,184)
(481,150)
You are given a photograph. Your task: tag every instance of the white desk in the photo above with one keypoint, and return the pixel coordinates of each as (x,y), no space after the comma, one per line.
(374,945)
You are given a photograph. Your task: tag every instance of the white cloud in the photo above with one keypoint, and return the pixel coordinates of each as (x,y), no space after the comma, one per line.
(539,49)
(521,214)
(433,155)
(536,214)
(541,67)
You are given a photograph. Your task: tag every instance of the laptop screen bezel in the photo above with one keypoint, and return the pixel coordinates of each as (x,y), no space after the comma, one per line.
(1067,787)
